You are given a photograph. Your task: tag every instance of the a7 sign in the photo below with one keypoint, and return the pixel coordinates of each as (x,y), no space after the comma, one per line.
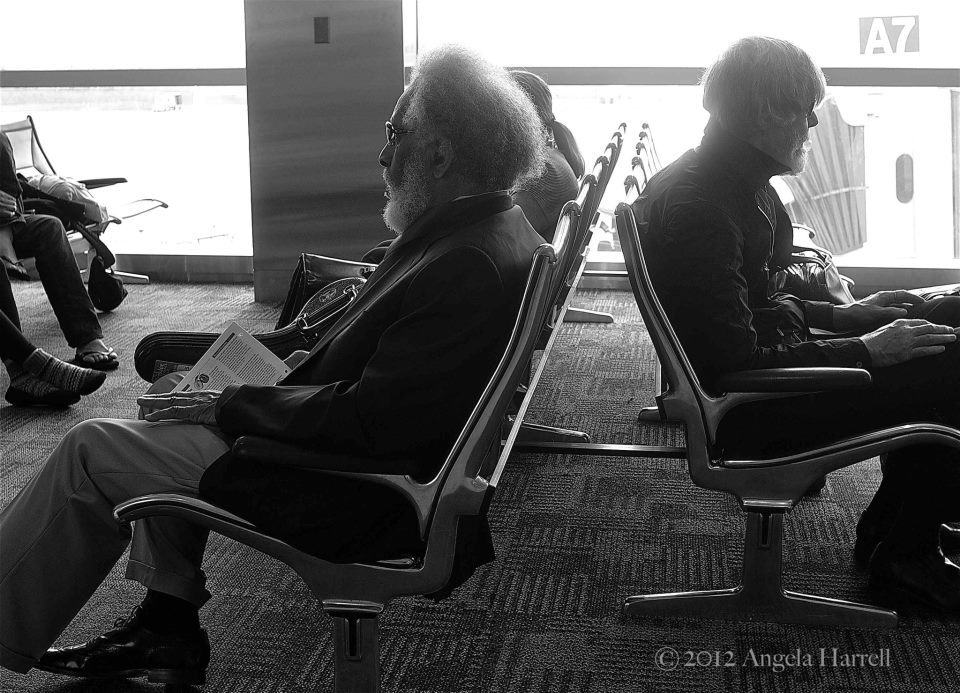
(890,34)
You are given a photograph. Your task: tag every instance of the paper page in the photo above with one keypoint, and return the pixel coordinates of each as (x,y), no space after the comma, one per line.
(236,357)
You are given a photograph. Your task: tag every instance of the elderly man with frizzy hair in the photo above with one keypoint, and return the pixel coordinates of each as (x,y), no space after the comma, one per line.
(395,378)
(714,228)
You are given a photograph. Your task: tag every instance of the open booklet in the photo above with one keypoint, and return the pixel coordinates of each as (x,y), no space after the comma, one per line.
(236,357)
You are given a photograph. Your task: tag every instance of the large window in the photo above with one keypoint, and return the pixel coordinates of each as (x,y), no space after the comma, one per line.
(882,184)
(151,92)
(155,92)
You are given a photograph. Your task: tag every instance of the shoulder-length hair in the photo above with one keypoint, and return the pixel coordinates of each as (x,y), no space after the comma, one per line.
(761,82)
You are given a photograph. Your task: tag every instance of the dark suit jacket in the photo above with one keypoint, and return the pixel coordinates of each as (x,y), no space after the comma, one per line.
(388,388)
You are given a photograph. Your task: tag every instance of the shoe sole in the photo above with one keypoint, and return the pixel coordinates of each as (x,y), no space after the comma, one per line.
(19,398)
(904,600)
(173,676)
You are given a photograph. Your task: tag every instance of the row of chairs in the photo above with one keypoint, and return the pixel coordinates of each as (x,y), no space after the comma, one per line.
(575,223)
(355,594)
(85,234)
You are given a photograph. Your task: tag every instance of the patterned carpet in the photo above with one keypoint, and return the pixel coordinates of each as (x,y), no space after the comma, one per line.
(574,536)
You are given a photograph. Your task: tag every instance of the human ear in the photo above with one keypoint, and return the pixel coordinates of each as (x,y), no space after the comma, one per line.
(442,157)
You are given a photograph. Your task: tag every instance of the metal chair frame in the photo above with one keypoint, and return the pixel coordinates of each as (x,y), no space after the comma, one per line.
(355,594)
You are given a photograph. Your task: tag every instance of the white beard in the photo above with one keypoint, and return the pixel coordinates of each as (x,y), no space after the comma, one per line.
(798,159)
(408,200)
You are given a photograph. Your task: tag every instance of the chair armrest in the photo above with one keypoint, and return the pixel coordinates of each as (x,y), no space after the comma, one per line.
(92,183)
(794,380)
(180,505)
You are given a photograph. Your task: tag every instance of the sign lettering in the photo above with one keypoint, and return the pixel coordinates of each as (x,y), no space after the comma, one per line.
(889,35)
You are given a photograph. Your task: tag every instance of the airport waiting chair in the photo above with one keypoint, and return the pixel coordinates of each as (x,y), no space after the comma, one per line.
(569,241)
(355,594)
(85,234)
(602,171)
(765,488)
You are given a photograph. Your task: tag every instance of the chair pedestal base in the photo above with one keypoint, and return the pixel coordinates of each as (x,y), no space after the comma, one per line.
(650,415)
(356,650)
(538,433)
(586,315)
(761,596)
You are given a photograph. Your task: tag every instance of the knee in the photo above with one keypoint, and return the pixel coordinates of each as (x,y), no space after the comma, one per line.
(944,311)
(50,229)
(86,443)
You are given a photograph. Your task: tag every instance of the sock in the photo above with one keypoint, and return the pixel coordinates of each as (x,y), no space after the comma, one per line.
(28,383)
(63,375)
(164,613)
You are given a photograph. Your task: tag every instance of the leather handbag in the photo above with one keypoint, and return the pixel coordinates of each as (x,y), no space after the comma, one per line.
(163,352)
(812,275)
(312,273)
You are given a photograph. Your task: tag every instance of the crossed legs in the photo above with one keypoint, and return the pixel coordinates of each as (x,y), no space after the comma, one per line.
(60,540)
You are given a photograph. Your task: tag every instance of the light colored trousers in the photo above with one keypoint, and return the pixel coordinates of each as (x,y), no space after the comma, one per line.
(59,540)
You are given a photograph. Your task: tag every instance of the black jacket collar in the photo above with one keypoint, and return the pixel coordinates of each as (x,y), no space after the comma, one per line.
(743,160)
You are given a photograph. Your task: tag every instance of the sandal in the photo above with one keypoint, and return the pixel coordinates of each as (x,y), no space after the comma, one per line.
(97,360)
(15,269)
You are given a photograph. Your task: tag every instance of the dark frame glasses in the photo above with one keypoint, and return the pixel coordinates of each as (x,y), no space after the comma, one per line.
(394,132)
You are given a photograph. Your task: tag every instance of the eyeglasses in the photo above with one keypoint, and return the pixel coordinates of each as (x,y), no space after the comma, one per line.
(393,132)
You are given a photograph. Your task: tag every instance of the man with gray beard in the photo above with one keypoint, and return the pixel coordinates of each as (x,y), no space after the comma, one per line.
(395,378)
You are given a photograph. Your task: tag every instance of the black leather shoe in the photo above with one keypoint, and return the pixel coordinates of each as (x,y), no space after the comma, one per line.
(928,579)
(869,539)
(131,650)
(55,399)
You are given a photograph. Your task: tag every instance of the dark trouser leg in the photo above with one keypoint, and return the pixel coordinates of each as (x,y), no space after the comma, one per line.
(922,487)
(8,305)
(941,311)
(43,238)
(13,345)
(59,537)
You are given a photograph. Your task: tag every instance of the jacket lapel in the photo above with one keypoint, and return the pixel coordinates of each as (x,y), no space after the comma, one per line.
(405,252)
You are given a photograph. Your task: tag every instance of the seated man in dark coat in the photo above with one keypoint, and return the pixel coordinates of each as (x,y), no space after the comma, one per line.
(712,228)
(396,377)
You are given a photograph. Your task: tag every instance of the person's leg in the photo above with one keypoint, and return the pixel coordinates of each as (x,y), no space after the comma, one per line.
(921,488)
(12,267)
(8,304)
(38,378)
(59,537)
(44,238)
(13,345)
(944,310)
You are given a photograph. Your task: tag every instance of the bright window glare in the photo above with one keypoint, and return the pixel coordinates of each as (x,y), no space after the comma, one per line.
(122,34)
(629,33)
(188,145)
